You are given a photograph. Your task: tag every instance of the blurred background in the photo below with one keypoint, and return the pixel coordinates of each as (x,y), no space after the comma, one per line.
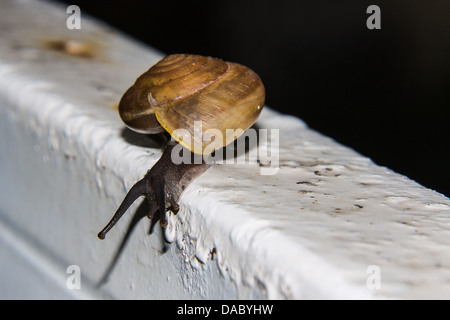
(385,93)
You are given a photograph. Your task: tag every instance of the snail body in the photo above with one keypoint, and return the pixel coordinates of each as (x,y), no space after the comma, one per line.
(176,93)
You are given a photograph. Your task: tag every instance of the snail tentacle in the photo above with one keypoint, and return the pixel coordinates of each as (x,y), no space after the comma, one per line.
(139,189)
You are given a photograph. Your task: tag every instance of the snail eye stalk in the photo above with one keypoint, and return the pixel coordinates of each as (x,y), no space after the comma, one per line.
(139,189)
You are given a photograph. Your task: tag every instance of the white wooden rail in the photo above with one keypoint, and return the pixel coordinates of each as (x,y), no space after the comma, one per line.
(329,224)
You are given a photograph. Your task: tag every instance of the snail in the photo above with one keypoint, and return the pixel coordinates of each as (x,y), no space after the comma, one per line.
(173,96)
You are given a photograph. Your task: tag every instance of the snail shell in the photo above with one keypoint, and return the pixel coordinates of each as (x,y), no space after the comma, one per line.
(182,89)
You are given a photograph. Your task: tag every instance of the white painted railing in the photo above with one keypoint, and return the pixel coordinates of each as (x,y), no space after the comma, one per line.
(329,224)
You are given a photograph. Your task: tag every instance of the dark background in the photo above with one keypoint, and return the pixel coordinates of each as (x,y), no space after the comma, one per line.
(385,93)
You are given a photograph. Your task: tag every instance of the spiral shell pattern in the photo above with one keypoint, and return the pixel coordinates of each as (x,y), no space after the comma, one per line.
(181,90)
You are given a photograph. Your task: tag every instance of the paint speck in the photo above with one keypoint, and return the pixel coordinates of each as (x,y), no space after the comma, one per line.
(307,183)
(72,47)
(212,253)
